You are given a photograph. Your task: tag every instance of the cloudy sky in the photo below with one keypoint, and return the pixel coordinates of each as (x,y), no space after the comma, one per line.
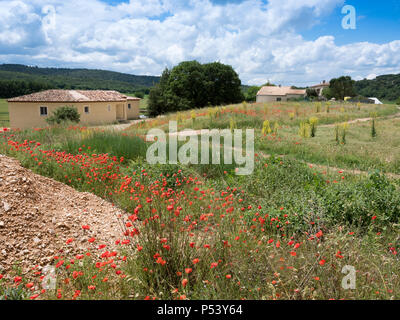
(291,42)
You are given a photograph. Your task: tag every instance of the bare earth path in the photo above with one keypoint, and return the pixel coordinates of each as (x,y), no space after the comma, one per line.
(38,215)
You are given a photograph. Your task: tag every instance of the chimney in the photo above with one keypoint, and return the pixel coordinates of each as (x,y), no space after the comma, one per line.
(323,82)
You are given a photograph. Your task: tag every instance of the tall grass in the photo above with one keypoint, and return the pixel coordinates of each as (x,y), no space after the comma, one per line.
(113,143)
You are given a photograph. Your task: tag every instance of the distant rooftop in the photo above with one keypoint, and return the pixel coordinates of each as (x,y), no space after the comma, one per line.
(322,84)
(73,96)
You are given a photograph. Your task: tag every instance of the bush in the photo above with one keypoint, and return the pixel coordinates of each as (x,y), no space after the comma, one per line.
(359,203)
(398,101)
(64,114)
(139,94)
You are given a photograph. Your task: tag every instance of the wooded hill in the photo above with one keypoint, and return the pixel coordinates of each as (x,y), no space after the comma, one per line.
(21,79)
(386,87)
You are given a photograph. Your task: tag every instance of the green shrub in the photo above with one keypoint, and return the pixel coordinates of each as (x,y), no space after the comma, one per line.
(139,94)
(64,114)
(358,203)
(313,126)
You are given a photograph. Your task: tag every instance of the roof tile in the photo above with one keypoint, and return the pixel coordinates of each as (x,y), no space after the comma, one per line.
(278,91)
(73,96)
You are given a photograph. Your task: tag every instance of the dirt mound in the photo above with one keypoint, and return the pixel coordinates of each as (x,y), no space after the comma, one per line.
(38,215)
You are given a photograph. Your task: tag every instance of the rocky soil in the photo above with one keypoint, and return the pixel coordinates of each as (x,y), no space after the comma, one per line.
(38,215)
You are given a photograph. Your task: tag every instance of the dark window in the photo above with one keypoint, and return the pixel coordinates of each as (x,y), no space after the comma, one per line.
(129,105)
(43,111)
(86,109)
(278,99)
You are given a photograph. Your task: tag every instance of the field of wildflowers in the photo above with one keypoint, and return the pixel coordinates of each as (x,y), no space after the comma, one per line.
(201,232)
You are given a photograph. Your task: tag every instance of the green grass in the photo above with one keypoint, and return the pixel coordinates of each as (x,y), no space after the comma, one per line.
(242,229)
(4,120)
(361,151)
(143,103)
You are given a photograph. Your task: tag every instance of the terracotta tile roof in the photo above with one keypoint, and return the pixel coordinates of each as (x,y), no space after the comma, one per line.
(279,91)
(73,96)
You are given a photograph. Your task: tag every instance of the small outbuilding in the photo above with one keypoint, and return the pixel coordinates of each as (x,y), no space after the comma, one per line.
(278,93)
(319,88)
(96,107)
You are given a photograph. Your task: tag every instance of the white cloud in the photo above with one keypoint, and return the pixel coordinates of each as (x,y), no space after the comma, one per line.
(261,41)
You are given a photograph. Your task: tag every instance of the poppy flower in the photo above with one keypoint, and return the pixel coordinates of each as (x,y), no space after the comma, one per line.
(29,285)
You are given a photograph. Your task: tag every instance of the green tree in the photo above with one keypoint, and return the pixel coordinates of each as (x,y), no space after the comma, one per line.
(64,114)
(342,87)
(157,96)
(192,85)
(326,92)
(269,84)
(223,85)
(251,93)
(312,93)
(187,87)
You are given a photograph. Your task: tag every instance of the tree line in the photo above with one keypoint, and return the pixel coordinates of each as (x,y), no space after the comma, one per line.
(386,87)
(74,79)
(14,88)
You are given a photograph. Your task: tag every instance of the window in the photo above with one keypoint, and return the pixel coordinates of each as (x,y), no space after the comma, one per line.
(278,99)
(129,105)
(109,108)
(43,111)
(86,109)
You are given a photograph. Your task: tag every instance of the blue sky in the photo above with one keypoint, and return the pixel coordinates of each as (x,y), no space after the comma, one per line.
(284,41)
(377,21)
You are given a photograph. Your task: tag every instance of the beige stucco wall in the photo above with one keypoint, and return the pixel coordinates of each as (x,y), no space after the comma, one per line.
(295,96)
(270,98)
(133,112)
(25,115)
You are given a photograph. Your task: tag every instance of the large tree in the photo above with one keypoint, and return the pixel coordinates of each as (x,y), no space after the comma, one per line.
(157,97)
(193,85)
(342,87)
(223,85)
